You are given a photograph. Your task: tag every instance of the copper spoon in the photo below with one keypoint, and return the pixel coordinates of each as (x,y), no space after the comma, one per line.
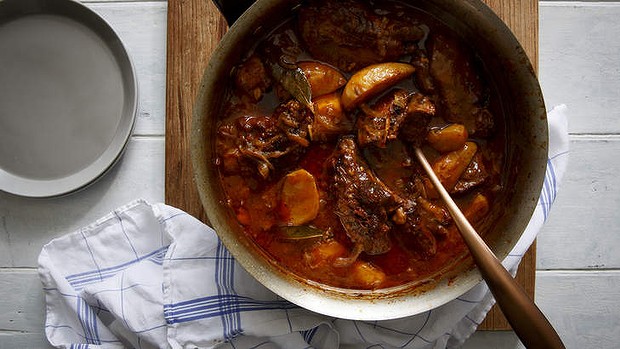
(528,322)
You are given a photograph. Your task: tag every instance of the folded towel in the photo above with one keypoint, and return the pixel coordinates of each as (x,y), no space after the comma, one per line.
(151,276)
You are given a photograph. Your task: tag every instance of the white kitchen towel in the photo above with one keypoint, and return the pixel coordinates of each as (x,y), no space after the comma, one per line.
(152,276)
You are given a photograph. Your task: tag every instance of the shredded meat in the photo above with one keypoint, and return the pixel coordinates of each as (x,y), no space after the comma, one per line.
(349,35)
(264,139)
(293,119)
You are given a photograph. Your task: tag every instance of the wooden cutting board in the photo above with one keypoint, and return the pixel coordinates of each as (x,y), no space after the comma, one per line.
(194,29)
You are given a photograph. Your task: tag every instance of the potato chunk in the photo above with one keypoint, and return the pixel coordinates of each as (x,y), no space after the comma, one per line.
(451,166)
(323,78)
(367,275)
(477,208)
(372,80)
(449,138)
(329,118)
(299,198)
(475,211)
(325,252)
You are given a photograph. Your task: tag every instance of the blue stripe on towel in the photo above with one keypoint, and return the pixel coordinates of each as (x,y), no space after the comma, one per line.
(79,346)
(88,320)
(549,190)
(224,305)
(120,223)
(309,334)
(80,280)
(227,308)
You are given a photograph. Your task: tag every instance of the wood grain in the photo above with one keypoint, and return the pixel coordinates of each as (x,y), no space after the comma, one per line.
(522,18)
(195,27)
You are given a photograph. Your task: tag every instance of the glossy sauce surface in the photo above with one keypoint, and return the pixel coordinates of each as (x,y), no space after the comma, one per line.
(375,220)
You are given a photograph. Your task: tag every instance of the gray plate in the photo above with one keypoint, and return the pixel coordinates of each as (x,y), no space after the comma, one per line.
(68,97)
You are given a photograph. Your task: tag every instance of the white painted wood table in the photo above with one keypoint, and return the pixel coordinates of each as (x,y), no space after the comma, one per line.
(578,267)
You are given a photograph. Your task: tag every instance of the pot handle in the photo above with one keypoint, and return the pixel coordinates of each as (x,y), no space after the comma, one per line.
(232,9)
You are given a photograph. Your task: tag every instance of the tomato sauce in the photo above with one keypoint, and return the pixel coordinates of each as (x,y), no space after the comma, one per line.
(267,133)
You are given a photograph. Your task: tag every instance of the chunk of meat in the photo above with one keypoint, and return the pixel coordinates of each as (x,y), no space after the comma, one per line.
(425,225)
(434,218)
(398,114)
(363,201)
(350,35)
(475,174)
(293,119)
(420,110)
(250,142)
(460,89)
(252,78)
(380,123)
(371,212)
(262,139)
(422,75)
(417,238)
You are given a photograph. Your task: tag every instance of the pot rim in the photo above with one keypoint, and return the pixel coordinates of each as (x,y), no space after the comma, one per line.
(356,305)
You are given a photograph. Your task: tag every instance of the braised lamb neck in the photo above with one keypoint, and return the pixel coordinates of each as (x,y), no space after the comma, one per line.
(363,201)
(350,35)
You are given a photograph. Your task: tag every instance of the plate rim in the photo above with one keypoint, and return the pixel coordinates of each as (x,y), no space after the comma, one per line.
(73,182)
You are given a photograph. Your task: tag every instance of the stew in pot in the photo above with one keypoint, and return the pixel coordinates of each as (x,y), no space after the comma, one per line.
(314,147)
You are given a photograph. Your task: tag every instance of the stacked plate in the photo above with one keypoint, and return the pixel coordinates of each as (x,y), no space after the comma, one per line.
(68,97)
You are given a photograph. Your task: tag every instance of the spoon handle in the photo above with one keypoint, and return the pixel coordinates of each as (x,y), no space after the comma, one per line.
(528,322)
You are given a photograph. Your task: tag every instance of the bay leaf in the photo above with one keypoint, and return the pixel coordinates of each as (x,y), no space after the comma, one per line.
(295,82)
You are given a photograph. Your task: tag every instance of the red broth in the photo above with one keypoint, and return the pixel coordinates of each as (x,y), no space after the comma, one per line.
(333,194)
